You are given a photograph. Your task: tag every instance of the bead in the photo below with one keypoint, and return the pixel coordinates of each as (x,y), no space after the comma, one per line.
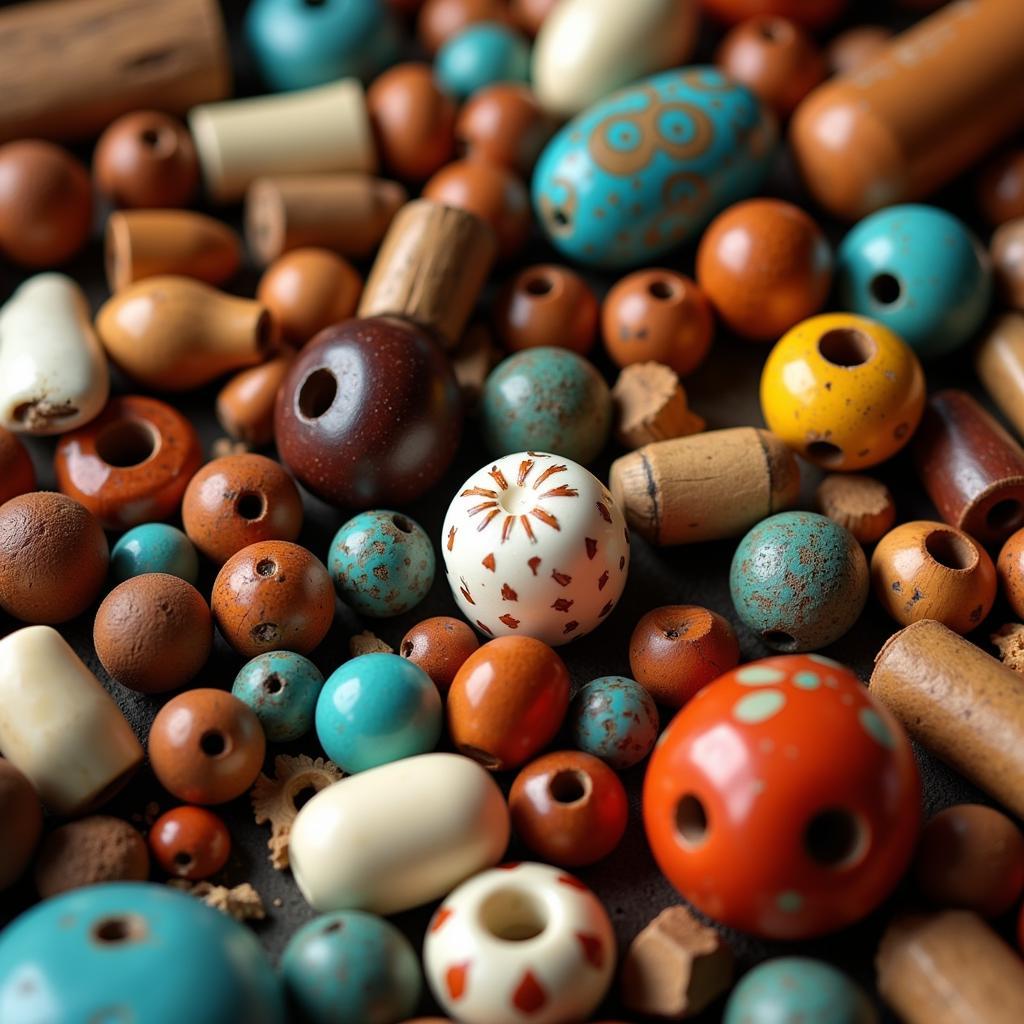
(89,851)
(146,159)
(154,547)
(620,157)
(17,474)
(384,843)
(854,48)
(439,20)
(833,835)
(282,688)
(273,595)
(860,504)
(544,306)
(535,545)
(523,940)
(190,842)
(1000,187)
(1010,566)
(351,966)
(675,651)
(657,315)
(389,434)
(504,124)
(651,405)
(843,391)
(925,570)
(529,15)
(812,14)
(22,816)
(206,746)
(1007,253)
(439,646)
(45,203)
(245,405)
(615,719)
(481,55)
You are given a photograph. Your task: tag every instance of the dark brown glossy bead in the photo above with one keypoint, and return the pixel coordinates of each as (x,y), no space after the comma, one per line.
(89,851)
(529,15)
(546,305)
(852,49)
(389,434)
(1001,187)
(439,646)
(22,818)
(17,475)
(439,20)
(190,842)
(504,124)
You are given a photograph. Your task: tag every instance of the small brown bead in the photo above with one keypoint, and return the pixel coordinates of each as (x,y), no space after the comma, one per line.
(860,504)
(852,49)
(439,20)
(22,817)
(1007,251)
(1000,186)
(504,124)
(245,405)
(529,15)
(190,842)
(17,475)
(146,159)
(546,305)
(1010,567)
(439,646)
(89,851)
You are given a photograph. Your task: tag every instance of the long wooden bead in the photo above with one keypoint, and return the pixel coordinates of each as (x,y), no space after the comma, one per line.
(999,362)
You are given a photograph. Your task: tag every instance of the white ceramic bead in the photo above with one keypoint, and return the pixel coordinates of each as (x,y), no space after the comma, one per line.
(526,942)
(534,544)
(53,371)
(397,836)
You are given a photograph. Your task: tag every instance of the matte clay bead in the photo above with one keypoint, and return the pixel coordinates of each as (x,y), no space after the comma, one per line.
(206,746)
(615,719)
(282,688)
(154,547)
(675,651)
(480,55)
(999,364)
(22,815)
(190,842)
(504,124)
(88,852)
(439,646)
(1000,187)
(273,595)
(546,305)
(1010,567)
(651,405)
(811,14)
(765,265)
(17,474)
(245,405)
(861,504)
(1007,253)
(439,20)
(853,49)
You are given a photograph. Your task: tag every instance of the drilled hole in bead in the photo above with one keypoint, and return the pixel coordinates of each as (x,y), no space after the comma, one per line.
(401,523)
(266,634)
(126,443)
(266,567)
(1005,515)
(661,289)
(513,915)
(560,217)
(489,761)
(251,505)
(212,743)
(407,649)
(833,838)
(846,346)
(569,786)
(303,796)
(886,289)
(950,550)
(124,928)
(691,820)
(773,31)
(538,284)
(273,683)
(317,393)
(778,638)
(825,453)
(183,860)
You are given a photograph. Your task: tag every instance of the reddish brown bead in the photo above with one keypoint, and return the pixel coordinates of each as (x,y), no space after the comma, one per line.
(546,305)
(22,818)
(17,475)
(852,49)
(1010,567)
(504,124)
(811,14)
(89,851)
(439,20)
(190,842)
(206,746)
(529,15)
(245,405)
(569,808)
(1001,187)
(439,646)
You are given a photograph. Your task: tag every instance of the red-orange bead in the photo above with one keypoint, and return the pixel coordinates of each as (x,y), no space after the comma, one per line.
(546,305)
(811,14)
(504,124)
(439,646)
(190,842)
(439,20)
(17,475)
(1010,568)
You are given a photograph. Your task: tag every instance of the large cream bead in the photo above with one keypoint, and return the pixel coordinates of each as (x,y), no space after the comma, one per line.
(526,942)
(398,836)
(534,544)
(53,371)
(59,726)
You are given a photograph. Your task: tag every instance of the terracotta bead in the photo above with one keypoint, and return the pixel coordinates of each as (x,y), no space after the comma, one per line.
(811,14)
(546,305)
(677,650)
(439,20)
(273,596)
(1007,252)
(17,475)
(529,15)
(45,203)
(569,808)
(53,557)
(131,464)
(245,405)
(1010,567)
(190,842)
(22,815)
(206,746)
(504,124)
(146,159)
(439,646)
(657,316)
(89,851)
(853,49)
(1000,187)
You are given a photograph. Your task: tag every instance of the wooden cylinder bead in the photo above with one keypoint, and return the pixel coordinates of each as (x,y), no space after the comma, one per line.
(706,486)
(431,267)
(861,504)
(1007,252)
(245,405)
(650,405)
(999,363)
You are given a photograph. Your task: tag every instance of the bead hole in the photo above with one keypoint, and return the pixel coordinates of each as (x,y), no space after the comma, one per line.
(1004,515)
(303,796)
(401,523)
(560,217)
(273,683)
(538,285)
(778,638)
(691,820)
(846,346)
(126,928)
(407,649)
(886,289)
(661,289)
(183,859)
(833,838)
(569,786)
(317,393)
(251,505)
(212,743)
(950,550)
(513,915)
(126,443)
(266,567)
(825,453)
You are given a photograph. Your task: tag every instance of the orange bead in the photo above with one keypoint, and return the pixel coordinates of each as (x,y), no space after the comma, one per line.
(439,20)
(852,49)
(440,646)
(190,842)
(504,124)
(809,13)
(1010,567)
(1000,187)
(17,475)
(546,305)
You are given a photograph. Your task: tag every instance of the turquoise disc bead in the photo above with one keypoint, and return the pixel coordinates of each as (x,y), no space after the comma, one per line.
(481,55)
(614,718)
(154,547)
(282,688)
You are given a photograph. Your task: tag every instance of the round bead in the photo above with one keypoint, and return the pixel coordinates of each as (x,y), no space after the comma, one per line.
(282,688)
(529,15)
(273,596)
(382,563)
(439,646)
(17,475)
(481,55)
(853,49)
(190,842)
(504,124)
(833,833)
(546,306)
(1007,252)
(812,14)
(245,405)
(1001,187)
(89,851)
(615,719)
(22,815)
(206,747)
(154,547)
(842,391)
(1010,567)
(439,20)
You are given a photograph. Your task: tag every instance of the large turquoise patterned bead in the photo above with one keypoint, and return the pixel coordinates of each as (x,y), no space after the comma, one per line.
(643,170)
(921,272)
(614,718)
(133,951)
(481,55)
(154,547)
(282,688)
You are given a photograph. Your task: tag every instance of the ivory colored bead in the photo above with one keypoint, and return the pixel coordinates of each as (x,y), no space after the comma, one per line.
(90,851)
(861,504)
(245,405)
(439,20)
(546,305)
(381,840)
(22,815)
(1007,251)
(504,124)
(17,474)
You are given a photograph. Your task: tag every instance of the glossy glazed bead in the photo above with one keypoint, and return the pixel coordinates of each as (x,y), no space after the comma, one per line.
(1010,567)
(504,124)
(22,815)
(282,688)
(1007,252)
(811,14)
(17,474)
(439,20)
(190,842)
(154,547)
(89,851)
(615,719)
(544,306)
(833,834)
(103,950)
(439,646)
(600,184)
(480,55)
(1000,187)
(131,465)
(351,966)
(856,47)
(520,942)
(843,391)
(206,746)
(551,557)
(273,595)
(245,405)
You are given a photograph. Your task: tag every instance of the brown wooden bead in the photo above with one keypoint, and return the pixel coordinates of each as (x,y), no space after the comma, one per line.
(854,48)
(17,475)
(245,405)
(1010,567)
(90,851)
(190,842)
(22,817)
(206,746)
(529,15)
(999,363)
(439,646)
(1007,252)
(439,20)
(1000,187)
(504,124)
(651,405)
(546,305)
(860,504)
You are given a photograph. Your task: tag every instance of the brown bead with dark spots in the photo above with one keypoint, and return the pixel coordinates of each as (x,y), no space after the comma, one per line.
(504,124)
(89,851)
(245,405)
(1000,186)
(439,20)
(22,817)
(190,842)
(17,475)
(439,646)
(1010,567)
(546,305)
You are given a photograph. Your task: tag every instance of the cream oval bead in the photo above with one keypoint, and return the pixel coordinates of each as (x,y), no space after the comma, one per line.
(398,836)
(587,49)
(524,942)
(53,371)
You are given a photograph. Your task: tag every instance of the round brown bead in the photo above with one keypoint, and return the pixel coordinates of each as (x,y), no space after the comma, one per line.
(17,475)
(439,646)
(190,842)
(504,124)
(206,746)
(1010,567)
(852,49)
(53,558)
(1007,251)
(89,851)
(1001,187)
(439,20)
(245,405)
(529,15)
(546,305)
(22,817)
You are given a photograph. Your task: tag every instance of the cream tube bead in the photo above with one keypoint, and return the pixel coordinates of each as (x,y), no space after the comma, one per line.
(53,371)
(322,129)
(398,836)
(58,726)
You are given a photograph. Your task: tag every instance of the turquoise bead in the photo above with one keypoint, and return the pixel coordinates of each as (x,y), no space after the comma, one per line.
(642,171)
(375,709)
(133,951)
(614,718)
(382,563)
(921,272)
(351,968)
(481,55)
(282,688)
(546,400)
(154,547)
(799,580)
(797,990)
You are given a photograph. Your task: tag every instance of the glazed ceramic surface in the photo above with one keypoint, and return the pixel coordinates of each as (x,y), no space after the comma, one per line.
(481,55)
(282,688)
(614,718)
(154,547)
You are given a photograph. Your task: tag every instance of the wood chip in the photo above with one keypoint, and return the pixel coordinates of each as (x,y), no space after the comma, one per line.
(367,643)
(242,902)
(473,359)
(862,504)
(1009,640)
(651,405)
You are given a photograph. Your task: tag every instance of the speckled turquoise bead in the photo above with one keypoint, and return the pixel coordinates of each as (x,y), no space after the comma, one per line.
(375,709)
(642,171)
(546,400)
(921,272)
(799,580)
(614,718)
(797,990)
(154,547)
(133,952)
(481,55)
(282,688)
(382,563)
(351,968)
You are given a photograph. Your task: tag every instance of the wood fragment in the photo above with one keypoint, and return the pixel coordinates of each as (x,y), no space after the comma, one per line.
(861,504)
(367,643)
(651,405)
(241,902)
(1009,641)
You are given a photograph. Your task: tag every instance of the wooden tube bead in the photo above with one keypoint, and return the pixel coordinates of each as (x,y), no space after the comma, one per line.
(999,363)
(706,486)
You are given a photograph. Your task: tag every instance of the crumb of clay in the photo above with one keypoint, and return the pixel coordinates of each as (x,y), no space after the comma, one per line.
(367,643)
(277,901)
(1009,640)
(242,902)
